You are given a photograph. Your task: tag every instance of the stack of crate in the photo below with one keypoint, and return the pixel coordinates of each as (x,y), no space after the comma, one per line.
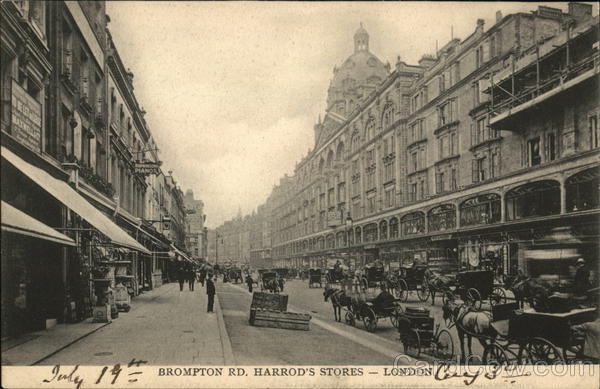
(270,310)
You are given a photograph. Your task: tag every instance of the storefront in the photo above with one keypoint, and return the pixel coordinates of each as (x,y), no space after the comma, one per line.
(33,291)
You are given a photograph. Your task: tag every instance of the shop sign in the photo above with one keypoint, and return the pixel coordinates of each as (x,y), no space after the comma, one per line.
(147,168)
(334,218)
(26,121)
(441,237)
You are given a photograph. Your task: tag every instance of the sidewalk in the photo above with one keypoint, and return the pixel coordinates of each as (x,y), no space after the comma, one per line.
(164,326)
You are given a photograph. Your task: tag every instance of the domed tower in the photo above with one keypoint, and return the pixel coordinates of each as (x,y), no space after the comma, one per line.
(358,76)
(361,39)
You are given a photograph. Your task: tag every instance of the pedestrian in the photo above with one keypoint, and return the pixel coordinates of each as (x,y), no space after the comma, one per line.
(181,277)
(191,278)
(202,276)
(249,281)
(210,291)
(582,278)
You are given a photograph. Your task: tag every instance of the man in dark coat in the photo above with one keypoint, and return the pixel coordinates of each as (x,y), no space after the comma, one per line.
(249,281)
(181,277)
(202,276)
(383,300)
(582,278)
(191,278)
(210,291)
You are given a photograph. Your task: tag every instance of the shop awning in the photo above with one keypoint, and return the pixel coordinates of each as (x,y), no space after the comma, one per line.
(74,201)
(181,254)
(18,222)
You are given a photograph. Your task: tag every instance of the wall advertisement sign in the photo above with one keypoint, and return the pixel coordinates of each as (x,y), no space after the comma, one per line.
(26,114)
(334,218)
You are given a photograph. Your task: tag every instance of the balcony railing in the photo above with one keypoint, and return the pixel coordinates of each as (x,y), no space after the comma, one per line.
(535,93)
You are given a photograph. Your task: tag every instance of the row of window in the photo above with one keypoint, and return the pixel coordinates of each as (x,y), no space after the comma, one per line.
(540,198)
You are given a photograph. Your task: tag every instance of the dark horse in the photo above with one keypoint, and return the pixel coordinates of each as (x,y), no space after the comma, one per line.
(336,296)
(468,323)
(436,283)
(528,289)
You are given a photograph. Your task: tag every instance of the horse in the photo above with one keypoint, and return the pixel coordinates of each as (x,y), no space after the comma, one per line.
(272,286)
(280,283)
(435,283)
(530,290)
(336,296)
(468,323)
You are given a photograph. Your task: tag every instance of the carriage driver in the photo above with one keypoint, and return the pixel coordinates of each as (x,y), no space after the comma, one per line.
(582,278)
(383,300)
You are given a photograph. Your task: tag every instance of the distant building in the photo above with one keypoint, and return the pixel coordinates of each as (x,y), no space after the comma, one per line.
(195,237)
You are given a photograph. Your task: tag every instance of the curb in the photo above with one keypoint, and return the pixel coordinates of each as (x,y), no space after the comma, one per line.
(69,344)
(228,358)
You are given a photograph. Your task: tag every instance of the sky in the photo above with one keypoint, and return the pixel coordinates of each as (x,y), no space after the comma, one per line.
(232,90)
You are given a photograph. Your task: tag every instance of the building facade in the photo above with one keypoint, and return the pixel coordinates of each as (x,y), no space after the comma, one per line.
(477,151)
(83,194)
(196,243)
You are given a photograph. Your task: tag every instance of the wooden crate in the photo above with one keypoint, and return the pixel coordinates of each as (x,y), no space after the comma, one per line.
(275,302)
(277,319)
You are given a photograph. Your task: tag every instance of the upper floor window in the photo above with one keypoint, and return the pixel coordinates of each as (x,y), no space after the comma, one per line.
(388,115)
(370,129)
(447,112)
(67,44)
(355,142)
(593,128)
(84,77)
(416,130)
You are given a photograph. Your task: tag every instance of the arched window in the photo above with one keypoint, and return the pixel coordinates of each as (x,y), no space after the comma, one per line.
(413,223)
(540,198)
(340,239)
(442,218)
(350,237)
(358,235)
(321,165)
(394,228)
(330,159)
(383,233)
(371,232)
(355,142)
(321,243)
(370,129)
(483,209)
(582,190)
(330,241)
(339,155)
(388,115)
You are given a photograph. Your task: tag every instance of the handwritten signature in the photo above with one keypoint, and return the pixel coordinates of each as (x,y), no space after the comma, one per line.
(76,379)
(446,371)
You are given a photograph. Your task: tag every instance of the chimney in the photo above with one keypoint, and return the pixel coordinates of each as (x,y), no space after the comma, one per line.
(580,11)
(427,61)
(480,23)
(498,16)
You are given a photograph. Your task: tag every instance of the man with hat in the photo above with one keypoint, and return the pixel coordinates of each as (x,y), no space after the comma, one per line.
(582,278)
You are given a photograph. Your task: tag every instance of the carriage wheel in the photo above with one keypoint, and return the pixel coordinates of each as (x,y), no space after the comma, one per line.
(423,292)
(498,296)
(395,316)
(369,319)
(350,319)
(444,346)
(493,354)
(473,298)
(412,343)
(539,349)
(402,290)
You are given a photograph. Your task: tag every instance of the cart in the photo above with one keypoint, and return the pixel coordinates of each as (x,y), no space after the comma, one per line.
(527,336)
(314,278)
(235,275)
(372,277)
(474,286)
(268,281)
(410,279)
(418,333)
(370,314)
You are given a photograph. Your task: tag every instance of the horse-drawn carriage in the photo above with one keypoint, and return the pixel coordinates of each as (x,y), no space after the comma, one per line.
(372,277)
(235,275)
(269,281)
(314,278)
(474,286)
(358,307)
(410,279)
(417,333)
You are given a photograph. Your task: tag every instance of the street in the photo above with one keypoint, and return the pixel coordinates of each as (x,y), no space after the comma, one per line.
(167,326)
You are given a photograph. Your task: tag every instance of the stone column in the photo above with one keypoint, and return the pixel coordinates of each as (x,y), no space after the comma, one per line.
(563,196)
